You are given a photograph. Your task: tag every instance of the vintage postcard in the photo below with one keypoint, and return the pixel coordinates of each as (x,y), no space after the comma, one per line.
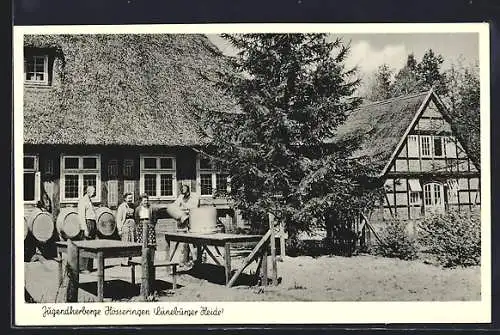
(252,174)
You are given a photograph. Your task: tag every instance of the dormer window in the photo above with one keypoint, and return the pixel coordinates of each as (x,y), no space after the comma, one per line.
(36,69)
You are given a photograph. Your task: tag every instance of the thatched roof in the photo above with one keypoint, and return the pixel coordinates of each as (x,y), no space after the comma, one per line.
(379,127)
(146,89)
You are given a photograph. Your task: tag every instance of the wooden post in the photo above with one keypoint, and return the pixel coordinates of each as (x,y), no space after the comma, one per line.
(274,266)
(100,276)
(199,254)
(227,262)
(263,269)
(73,272)
(60,267)
(258,271)
(146,266)
(147,263)
(174,277)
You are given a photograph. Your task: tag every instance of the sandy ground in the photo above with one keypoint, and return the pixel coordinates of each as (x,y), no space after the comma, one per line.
(360,278)
(325,278)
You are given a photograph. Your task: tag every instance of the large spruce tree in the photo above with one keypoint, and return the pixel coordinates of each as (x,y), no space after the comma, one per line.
(417,77)
(294,91)
(380,86)
(463,99)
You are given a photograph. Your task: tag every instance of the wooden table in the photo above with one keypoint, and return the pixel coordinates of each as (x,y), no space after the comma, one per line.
(99,249)
(201,241)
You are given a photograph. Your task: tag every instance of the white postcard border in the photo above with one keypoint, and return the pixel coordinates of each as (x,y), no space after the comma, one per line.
(260,312)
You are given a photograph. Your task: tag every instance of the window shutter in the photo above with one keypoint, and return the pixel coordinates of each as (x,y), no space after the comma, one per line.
(415,185)
(37,185)
(129,186)
(412,146)
(451,151)
(453,189)
(112,193)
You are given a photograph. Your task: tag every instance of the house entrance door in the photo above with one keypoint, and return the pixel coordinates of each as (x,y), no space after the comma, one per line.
(433,198)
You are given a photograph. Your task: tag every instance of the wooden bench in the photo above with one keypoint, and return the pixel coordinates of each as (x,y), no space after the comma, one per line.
(156,264)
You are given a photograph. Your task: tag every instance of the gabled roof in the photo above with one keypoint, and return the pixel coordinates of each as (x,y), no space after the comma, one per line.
(144,89)
(381,127)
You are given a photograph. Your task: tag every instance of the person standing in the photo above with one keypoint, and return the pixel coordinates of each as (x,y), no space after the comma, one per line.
(144,214)
(125,221)
(181,207)
(88,225)
(179,210)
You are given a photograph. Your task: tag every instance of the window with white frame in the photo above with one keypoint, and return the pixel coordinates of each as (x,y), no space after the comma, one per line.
(432,146)
(31,181)
(36,69)
(415,191)
(78,172)
(158,176)
(433,195)
(210,181)
(425,146)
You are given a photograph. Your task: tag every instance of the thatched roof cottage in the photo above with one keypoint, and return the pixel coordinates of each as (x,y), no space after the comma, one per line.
(120,112)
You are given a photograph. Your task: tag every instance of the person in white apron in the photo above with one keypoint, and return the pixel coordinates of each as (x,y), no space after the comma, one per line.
(179,210)
(88,225)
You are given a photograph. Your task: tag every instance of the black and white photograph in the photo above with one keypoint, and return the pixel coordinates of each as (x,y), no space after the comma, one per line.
(197,174)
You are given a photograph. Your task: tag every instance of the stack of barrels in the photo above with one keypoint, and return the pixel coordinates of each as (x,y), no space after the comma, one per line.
(40,230)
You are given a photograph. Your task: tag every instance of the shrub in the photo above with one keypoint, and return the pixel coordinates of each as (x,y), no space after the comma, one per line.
(396,242)
(300,247)
(316,248)
(453,238)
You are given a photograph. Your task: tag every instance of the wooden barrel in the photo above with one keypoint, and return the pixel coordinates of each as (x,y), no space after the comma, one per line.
(68,223)
(106,223)
(41,225)
(203,220)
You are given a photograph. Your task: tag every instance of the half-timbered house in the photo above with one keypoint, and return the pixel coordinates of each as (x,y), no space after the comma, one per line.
(418,157)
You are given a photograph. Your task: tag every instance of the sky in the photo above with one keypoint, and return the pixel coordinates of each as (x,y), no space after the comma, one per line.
(368,51)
